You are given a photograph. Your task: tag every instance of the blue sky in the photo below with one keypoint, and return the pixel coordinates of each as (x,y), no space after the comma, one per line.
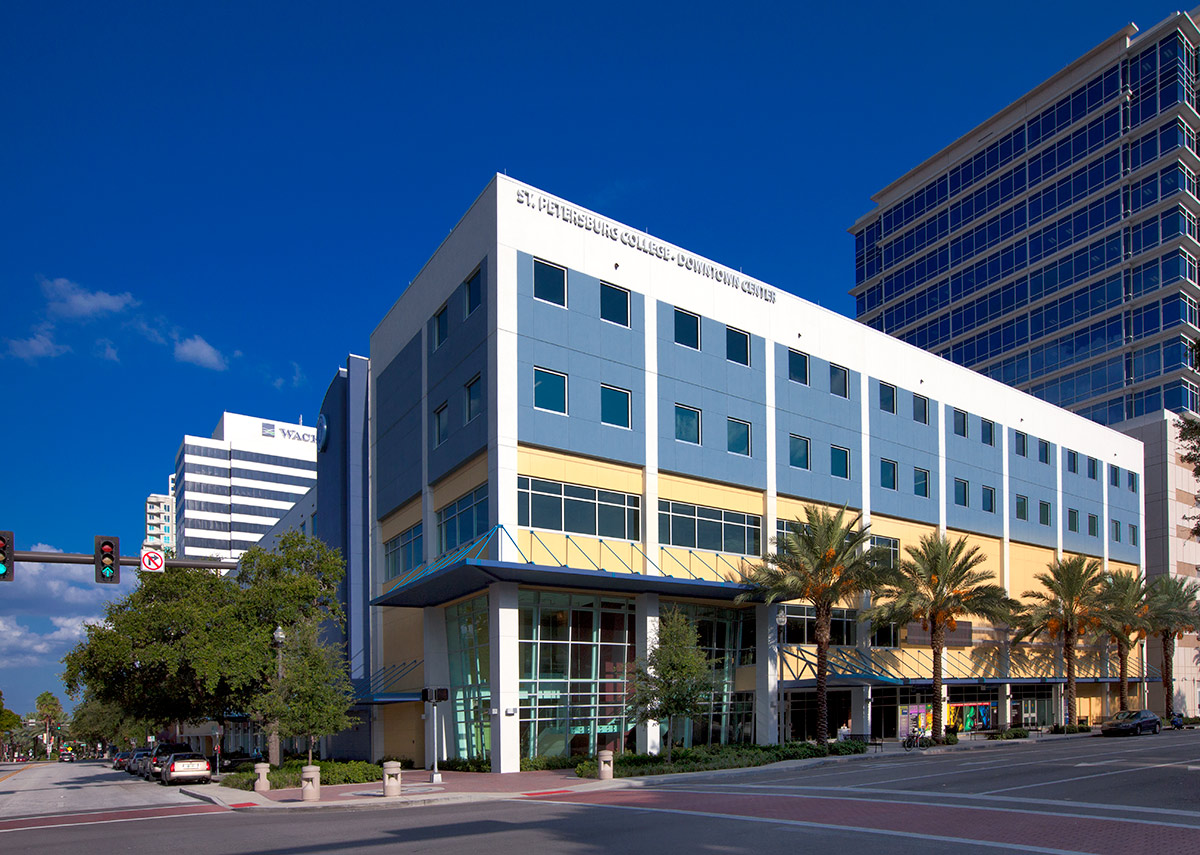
(207,206)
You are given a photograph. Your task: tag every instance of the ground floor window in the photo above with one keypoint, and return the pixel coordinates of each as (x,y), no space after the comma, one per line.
(468,649)
(1033,705)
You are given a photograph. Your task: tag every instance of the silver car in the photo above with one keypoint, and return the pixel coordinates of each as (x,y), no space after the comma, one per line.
(185,766)
(135,764)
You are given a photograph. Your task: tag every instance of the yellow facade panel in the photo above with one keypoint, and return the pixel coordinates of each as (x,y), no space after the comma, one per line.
(677,488)
(585,471)
(1025,561)
(402,519)
(461,481)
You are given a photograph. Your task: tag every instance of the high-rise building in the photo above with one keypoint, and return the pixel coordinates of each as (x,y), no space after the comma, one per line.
(230,488)
(160,519)
(1055,248)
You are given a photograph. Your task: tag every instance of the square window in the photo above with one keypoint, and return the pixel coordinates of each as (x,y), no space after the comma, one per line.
(962,490)
(1072,461)
(1116,531)
(614,406)
(474,288)
(887,474)
(887,398)
(1133,535)
(687,329)
(441,327)
(738,436)
(839,462)
(1133,482)
(1043,451)
(737,346)
(1114,475)
(960,423)
(989,500)
(839,381)
(614,304)
(798,367)
(987,432)
(549,390)
(1093,525)
(921,482)
(921,409)
(1022,447)
(1022,507)
(1092,466)
(441,425)
(549,282)
(1044,513)
(474,397)
(1072,520)
(798,451)
(687,424)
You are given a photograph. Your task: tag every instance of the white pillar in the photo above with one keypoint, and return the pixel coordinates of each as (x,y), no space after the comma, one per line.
(437,673)
(1004,713)
(646,635)
(766,676)
(504,677)
(860,712)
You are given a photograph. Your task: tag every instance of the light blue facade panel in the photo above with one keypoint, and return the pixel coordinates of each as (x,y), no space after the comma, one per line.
(902,502)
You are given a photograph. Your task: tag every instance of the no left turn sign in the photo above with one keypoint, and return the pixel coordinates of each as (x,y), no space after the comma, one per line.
(153,561)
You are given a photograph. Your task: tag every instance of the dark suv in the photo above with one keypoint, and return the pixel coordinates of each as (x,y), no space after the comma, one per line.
(161,752)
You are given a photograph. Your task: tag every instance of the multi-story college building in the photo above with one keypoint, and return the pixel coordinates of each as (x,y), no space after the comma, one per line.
(575,425)
(160,519)
(233,487)
(1054,248)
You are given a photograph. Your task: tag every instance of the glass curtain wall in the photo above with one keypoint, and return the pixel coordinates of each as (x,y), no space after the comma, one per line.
(470,675)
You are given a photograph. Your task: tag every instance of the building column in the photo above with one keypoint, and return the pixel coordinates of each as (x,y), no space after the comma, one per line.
(437,673)
(504,677)
(646,636)
(1004,711)
(1059,711)
(860,712)
(766,676)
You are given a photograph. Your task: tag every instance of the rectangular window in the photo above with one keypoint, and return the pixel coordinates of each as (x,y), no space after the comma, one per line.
(1044,513)
(1043,451)
(1116,531)
(1022,446)
(1093,525)
(962,491)
(1092,466)
(550,282)
(441,327)
(1114,475)
(614,304)
(839,462)
(549,390)
(798,367)
(989,500)
(737,346)
(1072,520)
(463,520)
(404,552)
(887,398)
(687,329)
(1133,535)
(887,474)
(474,289)
(888,545)
(441,425)
(798,451)
(921,409)
(1133,482)
(1022,507)
(555,506)
(987,432)
(474,390)
(737,436)
(614,406)
(921,482)
(712,529)
(687,424)
(960,423)
(1072,461)
(839,381)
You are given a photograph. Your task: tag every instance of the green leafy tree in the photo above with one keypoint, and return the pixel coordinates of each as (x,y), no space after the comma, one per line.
(1066,608)
(1172,611)
(940,582)
(676,677)
(821,560)
(1123,619)
(49,714)
(10,722)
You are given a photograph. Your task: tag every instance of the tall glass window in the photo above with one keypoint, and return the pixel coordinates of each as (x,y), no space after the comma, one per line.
(474,289)
(1043,451)
(960,423)
(463,520)
(614,406)
(737,346)
(441,425)
(469,657)
(738,436)
(614,304)
(989,500)
(403,552)
(798,451)
(887,474)
(798,367)
(550,282)
(921,409)
(987,432)
(474,390)
(887,397)
(839,462)
(1072,519)
(921,482)
(687,424)
(549,390)
(962,492)
(1022,444)
(687,329)
(1044,513)
(441,327)
(839,381)
(1022,507)
(1093,525)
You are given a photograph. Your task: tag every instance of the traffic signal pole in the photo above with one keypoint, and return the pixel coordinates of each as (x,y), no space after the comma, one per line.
(123,560)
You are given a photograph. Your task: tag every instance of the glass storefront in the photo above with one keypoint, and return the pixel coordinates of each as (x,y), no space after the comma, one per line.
(470,672)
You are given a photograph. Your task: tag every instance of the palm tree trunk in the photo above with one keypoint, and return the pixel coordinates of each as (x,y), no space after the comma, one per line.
(670,722)
(937,643)
(824,619)
(1168,672)
(1069,662)
(1123,666)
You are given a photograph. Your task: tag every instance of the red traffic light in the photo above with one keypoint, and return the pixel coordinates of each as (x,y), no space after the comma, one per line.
(106,547)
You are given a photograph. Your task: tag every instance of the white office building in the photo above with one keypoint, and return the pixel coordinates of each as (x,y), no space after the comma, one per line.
(232,487)
(160,520)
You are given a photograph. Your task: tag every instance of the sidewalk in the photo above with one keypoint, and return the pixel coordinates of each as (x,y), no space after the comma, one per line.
(466,787)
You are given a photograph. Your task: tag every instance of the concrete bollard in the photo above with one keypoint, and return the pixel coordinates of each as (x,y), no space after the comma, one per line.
(391,778)
(261,784)
(310,783)
(605,759)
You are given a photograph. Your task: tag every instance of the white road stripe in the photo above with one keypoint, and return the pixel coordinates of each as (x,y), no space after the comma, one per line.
(1085,777)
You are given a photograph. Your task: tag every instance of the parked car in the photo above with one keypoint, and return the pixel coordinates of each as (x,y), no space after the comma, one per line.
(121,758)
(161,752)
(234,759)
(185,766)
(1131,722)
(134,766)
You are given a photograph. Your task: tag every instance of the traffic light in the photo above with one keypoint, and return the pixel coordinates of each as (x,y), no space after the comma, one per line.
(108,560)
(7,556)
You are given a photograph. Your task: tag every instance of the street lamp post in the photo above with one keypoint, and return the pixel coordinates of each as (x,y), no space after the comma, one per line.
(277,639)
(780,625)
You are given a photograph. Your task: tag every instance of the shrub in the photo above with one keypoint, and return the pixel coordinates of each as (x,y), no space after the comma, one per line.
(464,764)
(710,757)
(542,762)
(287,776)
(1011,733)
(405,762)
(848,746)
(951,737)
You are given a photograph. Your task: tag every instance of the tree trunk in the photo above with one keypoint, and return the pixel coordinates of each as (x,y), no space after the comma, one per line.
(1069,662)
(937,643)
(1123,666)
(670,722)
(310,749)
(824,620)
(1168,672)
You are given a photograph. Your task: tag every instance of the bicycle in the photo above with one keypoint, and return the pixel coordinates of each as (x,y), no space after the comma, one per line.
(917,739)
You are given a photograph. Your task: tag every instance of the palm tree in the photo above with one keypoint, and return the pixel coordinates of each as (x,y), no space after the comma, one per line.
(1123,619)
(1172,612)
(1068,607)
(939,582)
(822,560)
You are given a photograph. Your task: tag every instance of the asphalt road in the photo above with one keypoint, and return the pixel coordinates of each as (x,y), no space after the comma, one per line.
(1087,795)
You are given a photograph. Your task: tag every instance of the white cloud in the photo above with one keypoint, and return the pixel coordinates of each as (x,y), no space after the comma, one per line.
(67,299)
(298,377)
(40,344)
(199,352)
(107,350)
(150,330)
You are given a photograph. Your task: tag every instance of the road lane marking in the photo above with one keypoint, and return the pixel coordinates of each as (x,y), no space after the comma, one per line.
(1085,777)
(65,820)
